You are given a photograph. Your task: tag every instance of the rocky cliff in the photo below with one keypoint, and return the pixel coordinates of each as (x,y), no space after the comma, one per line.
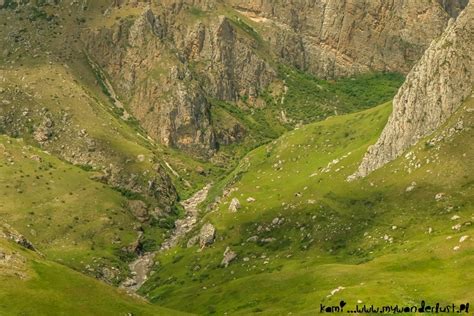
(338,38)
(166,68)
(433,90)
(170,60)
(159,89)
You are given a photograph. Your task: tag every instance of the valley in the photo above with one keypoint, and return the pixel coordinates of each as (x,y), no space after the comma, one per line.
(234,157)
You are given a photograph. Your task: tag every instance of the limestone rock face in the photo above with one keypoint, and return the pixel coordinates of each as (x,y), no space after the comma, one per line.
(168,63)
(157,86)
(333,38)
(229,66)
(207,235)
(433,90)
(166,69)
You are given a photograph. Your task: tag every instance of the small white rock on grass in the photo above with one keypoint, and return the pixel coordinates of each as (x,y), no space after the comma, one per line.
(411,187)
(456,227)
(338,289)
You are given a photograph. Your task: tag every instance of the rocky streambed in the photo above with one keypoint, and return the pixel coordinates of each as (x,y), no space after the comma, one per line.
(143,265)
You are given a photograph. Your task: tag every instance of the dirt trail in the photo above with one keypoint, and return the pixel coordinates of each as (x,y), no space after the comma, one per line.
(143,265)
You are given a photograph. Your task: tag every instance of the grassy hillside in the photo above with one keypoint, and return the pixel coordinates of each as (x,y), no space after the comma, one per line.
(32,285)
(298,99)
(70,217)
(392,238)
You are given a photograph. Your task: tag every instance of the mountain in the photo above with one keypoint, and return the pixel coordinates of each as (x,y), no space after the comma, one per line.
(199,151)
(231,51)
(434,89)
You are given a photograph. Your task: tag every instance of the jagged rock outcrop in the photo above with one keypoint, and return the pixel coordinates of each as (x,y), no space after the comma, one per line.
(229,256)
(166,69)
(337,38)
(139,209)
(226,60)
(7,232)
(234,205)
(159,89)
(433,90)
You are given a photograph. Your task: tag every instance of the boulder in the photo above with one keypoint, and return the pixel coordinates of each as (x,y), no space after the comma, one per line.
(234,205)
(229,256)
(252,239)
(411,187)
(42,134)
(207,235)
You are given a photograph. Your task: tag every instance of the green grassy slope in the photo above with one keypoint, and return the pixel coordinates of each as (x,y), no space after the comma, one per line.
(70,217)
(379,239)
(35,286)
(298,98)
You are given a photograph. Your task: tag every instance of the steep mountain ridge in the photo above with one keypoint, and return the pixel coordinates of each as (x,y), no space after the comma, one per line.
(171,107)
(167,95)
(168,61)
(432,92)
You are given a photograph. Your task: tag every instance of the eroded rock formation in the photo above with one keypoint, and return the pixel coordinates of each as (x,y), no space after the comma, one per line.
(433,91)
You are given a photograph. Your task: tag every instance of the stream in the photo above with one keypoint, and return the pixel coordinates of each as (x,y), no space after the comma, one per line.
(143,265)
